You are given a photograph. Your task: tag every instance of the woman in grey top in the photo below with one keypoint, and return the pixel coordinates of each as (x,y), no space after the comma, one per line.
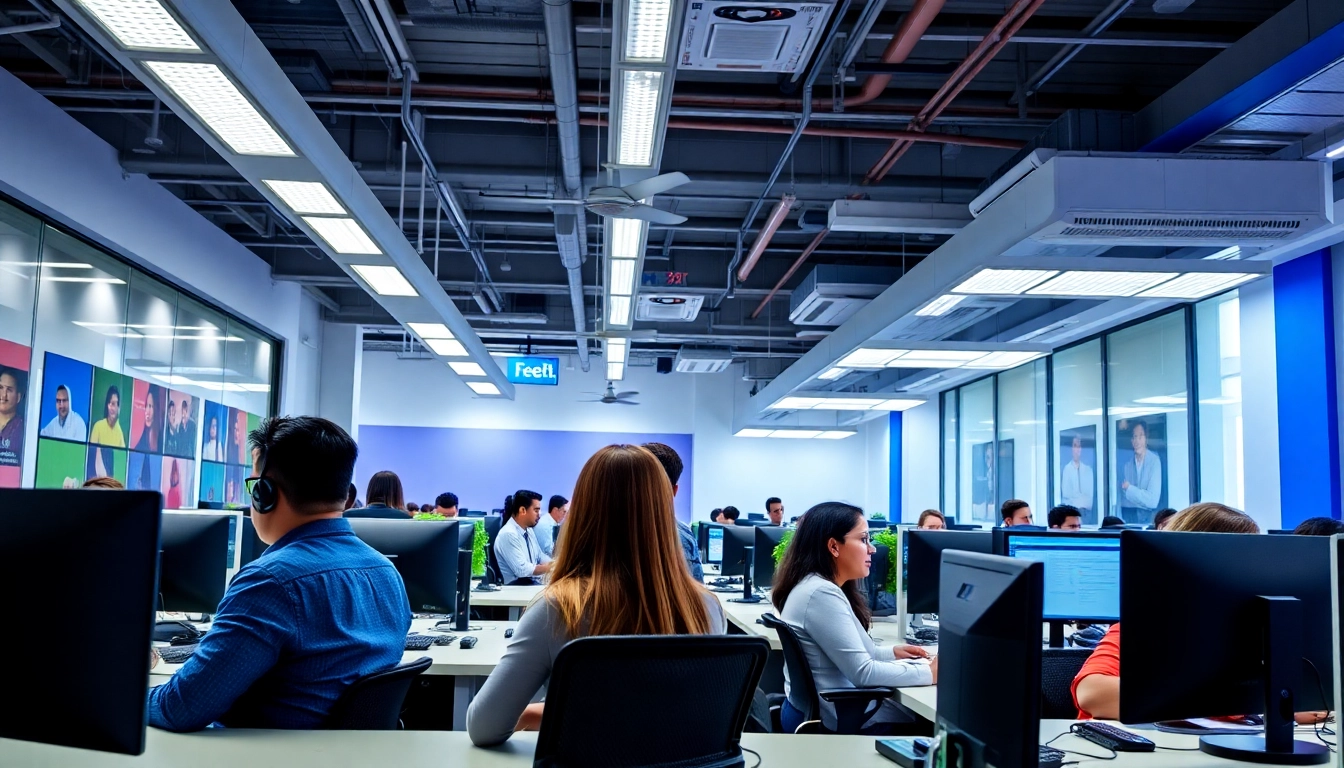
(621,515)
(816,593)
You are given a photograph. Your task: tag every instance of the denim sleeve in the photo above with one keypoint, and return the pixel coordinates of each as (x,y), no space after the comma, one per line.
(691,549)
(255,619)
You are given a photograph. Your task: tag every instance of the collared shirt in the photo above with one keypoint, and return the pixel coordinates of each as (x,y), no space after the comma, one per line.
(1145,482)
(1078,485)
(317,611)
(545,533)
(106,433)
(518,554)
(73,428)
(691,549)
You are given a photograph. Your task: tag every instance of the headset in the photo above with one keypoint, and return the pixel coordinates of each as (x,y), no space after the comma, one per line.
(264,495)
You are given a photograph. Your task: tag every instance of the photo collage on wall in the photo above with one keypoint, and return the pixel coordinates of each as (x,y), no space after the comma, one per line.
(98,423)
(226,459)
(13,405)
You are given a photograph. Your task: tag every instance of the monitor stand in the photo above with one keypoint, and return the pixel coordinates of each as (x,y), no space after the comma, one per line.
(462,611)
(1282,676)
(1056,634)
(749,569)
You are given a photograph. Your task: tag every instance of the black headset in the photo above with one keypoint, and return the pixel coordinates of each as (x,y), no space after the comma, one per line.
(264,495)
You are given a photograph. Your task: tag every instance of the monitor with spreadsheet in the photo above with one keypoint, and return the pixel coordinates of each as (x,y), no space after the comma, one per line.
(1082,572)
(714,544)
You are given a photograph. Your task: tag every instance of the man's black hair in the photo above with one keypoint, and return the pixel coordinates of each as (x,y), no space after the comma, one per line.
(519,500)
(1163,514)
(1319,526)
(1010,508)
(773,500)
(446,500)
(1111,521)
(556,502)
(731,513)
(1061,513)
(310,459)
(669,458)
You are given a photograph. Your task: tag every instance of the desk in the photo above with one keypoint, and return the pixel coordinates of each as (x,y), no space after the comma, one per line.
(922,700)
(513,598)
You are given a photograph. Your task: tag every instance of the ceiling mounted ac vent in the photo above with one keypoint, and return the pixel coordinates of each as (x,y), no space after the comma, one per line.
(691,360)
(832,294)
(668,307)
(753,36)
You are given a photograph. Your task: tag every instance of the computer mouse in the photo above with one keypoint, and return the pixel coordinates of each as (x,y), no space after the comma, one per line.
(922,745)
(445,639)
(508,632)
(467,642)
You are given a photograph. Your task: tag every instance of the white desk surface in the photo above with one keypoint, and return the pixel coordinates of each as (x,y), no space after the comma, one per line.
(744,616)
(337,749)
(506,597)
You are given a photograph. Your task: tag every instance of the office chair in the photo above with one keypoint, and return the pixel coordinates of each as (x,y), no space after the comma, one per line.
(1058,668)
(591,719)
(374,702)
(853,706)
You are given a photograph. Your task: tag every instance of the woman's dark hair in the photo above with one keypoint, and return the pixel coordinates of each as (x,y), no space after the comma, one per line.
(385,488)
(808,553)
(1319,526)
(731,513)
(518,500)
(112,392)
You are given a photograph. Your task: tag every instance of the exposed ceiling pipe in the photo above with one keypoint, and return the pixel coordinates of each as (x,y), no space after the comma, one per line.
(798,262)
(569,239)
(776,218)
(985,52)
(36,26)
(1048,70)
(849,133)
(913,26)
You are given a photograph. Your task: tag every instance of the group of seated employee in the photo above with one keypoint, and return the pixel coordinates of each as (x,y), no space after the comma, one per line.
(774,512)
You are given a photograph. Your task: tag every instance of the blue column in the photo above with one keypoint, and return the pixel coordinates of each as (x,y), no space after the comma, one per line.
(894,476)
(1304,339)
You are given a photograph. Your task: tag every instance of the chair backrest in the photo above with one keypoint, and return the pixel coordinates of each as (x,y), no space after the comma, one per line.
(1058,668)
(374,702)
(801,684)
(592,720)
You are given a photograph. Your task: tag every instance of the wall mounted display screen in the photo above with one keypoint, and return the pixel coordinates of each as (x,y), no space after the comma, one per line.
(13,407)
(226,457)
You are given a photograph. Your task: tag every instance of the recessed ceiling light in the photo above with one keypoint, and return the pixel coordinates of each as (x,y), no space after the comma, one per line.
(752,432)
(140,25)
(1197,285)
(222,108)
(345,236)
(1004,281)
(898,404)
(446,347)
(833,374)
(384,281)
(796,434)
(617,350)
(622,277)
(619,310)
(835,434)
(615,371)
(1095,283)
(935,358)
(646,27)
(1226,254)
(46,264)
(795,403)
(1003,359)
(940,306)
(431,330)
(869,358)
(846,404)
(106,280)
(306,196)
(483,387)
(641,91)
(467,369)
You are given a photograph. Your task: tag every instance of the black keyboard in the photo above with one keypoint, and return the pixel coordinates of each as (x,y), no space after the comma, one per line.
(1110,737)
(1049,757)
(176,654)
(419,642)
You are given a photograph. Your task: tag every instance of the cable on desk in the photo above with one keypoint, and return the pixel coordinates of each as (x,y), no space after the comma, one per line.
(1316,725)
(757,764)
(1073,730)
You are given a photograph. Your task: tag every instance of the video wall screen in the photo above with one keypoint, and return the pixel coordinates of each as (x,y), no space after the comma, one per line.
(226,458)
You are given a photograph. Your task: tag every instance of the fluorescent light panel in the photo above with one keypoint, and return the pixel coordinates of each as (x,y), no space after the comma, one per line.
(306,196)
(431,330)
(752,432)
(796,434)
(1004,281)
(1197,285)
(869,358)
(646,26)
(618,310)
(446,347)
(615,371)
(618,350)
(221,107)
(345,236)
(940,306)
(483,387)
(622,277)
(873,403)
(833,374)
(835,434)
(140,25)
(641,92)
(384,281)
(1003,359)
(625,237)
(1097,283)
(467,369)
(107,280)
(46,264)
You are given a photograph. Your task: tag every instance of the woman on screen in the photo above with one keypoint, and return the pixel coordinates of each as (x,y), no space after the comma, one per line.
(214,447)
(106,431)
(149,438)
(174,498)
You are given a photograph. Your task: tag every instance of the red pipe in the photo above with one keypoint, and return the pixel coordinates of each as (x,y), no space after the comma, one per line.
(850,133)
(798,262)
(913,27)
(776,218)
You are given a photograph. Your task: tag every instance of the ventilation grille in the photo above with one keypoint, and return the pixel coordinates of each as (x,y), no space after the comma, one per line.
(1170,227)
(668,308)
(746,42)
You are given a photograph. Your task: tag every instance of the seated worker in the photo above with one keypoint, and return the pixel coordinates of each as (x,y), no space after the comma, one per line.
(1015,512)
(774,509)
(932,520)
(545,530)
(446,504)
(726,516)
(1163,518)
(1319,526)
(1111,521)
(690,548)
(317,611)
(521,559)
(1096,687)
(384,498)
(618,574)
(816,592)
(1065,518)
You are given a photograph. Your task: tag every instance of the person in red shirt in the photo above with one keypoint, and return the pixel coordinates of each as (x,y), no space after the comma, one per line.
(1096,688)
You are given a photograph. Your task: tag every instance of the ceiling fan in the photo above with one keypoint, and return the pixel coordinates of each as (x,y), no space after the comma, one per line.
(620,202)
(612,396)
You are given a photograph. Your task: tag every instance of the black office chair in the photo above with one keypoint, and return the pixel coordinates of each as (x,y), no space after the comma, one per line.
(374,702)
(1058,668)
(592,720)
(853,706)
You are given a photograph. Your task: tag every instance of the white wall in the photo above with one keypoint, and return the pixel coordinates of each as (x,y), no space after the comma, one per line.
(57,166)
(1259,404)
(728,470)
(920,461)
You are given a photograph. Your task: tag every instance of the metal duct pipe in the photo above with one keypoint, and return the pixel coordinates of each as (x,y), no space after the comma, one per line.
(777,217)
(568,243)
(803,257)
(1048,70)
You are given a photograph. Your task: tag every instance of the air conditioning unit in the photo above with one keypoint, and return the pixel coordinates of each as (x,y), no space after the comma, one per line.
(691,360)
(752,36)
(833,293)
(668,307)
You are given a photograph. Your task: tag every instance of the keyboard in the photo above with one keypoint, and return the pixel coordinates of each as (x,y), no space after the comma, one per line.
(176,654)
(419,642)
(1049,757)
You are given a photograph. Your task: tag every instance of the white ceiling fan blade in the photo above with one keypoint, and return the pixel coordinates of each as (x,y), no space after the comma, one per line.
(626,394)
(625,402)
(656,185)
(652,215)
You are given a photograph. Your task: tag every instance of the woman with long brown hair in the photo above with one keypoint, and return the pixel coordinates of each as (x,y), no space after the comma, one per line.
(618,570)
(383,498)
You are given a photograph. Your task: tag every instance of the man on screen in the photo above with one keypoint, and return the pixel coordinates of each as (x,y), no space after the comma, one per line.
(1077,481)
(12,385)
(1140,479)
(66,424)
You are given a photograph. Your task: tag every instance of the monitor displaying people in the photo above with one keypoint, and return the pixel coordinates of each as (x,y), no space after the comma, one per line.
(1141,486)
(1078,470)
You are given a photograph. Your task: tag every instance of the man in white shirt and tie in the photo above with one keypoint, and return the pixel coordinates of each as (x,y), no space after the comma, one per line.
(545,530)
(1078,481)
(66,424)
(521,559)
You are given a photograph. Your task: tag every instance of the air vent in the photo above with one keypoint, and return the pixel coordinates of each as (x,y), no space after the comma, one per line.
(831,294)
(1178,228)
(668,307)
(746,43)
(757,36)
(691,360)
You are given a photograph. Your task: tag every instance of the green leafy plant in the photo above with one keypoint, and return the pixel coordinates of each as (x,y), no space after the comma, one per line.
(478,544)
(428,516)
(879,516)
(782,546)
(888,539)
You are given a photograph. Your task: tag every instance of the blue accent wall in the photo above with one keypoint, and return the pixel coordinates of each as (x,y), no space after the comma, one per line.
(894,477)
(1308,419)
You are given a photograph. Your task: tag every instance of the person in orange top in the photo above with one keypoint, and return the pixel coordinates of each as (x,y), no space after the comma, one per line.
(1096,688)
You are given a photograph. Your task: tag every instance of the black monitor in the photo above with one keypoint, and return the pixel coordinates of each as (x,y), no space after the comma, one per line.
(94,551)
(874,586)
(1082,573)
(755,516)
(747,522)
(492,525)
(991,613)
(1280,532)
(471,513)
(710,539)
(193,561)
(1260,607)
(736,540)
(767,538)
(466,535)
(964,527)
(424,553)
(924,561)
(252,545)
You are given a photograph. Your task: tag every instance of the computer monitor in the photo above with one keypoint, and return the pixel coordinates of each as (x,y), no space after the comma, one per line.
(965,527)
(492,525)
(94,551)
(471,513)
(424,552)
(251,546)
(989,650)
(739,554)
(749,522)
(193,561)
(1082,573)
(755,515)
(1260,608)
(924,562)
(1280,532)
(767,538)
(710,538)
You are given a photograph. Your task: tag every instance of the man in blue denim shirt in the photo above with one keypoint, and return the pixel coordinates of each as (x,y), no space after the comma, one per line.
(317,611)
(672,465)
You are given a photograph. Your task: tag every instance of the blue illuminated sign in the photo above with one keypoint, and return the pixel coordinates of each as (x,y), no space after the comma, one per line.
(533,370)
